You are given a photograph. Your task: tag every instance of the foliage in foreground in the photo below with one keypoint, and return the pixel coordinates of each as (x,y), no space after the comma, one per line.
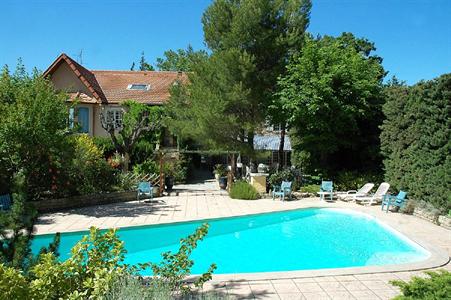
(243,190)
(95,267)
(416,140)
(437,286)
(16,227)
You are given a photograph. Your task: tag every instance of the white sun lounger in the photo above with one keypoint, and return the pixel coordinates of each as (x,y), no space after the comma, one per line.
(376,197)
(349,195)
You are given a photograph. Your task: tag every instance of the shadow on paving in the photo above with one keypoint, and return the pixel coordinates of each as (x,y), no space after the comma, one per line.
(230,290)
(124,209)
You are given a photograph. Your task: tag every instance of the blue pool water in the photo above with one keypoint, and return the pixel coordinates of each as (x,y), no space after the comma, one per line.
(282,241)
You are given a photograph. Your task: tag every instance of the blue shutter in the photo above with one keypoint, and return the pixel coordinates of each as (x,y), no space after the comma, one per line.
(83,119)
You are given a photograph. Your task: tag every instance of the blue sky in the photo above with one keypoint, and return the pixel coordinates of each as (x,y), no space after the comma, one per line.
(413,36)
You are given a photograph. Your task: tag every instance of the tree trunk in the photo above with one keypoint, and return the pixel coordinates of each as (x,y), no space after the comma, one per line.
(231,174)
(126,163)
(281,146)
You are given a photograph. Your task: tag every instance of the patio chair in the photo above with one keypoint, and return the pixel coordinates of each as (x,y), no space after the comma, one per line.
(281,191)
(396,201)
(144,189)
(326,188)
(5,202)
(376,197)
(363,191)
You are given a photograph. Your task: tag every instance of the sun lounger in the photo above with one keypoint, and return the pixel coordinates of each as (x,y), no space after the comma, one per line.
(349,195)
(376,197)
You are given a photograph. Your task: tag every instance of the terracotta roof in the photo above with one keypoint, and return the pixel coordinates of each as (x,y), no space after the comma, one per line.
(111,86)
(85,76)
(114,84)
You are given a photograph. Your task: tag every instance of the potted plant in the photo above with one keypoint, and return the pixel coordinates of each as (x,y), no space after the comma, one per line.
(221,175)
(169,176)
(219,171)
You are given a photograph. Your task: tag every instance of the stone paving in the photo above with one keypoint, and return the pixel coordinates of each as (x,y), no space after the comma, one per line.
(193,202)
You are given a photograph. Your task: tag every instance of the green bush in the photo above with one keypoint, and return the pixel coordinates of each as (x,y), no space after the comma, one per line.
(96,270)
(105,145)
(288,174)
(437,286)
(90,172)
(415,140)
(243,190)
(149,166)
(348,180)
(311,188)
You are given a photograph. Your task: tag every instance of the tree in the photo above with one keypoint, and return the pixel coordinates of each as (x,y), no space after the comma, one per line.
(180,60)
(270,32)
(137,119)
(415,139)
(214,108)
(144,65)
(332,96)
(33,128)
(33,148)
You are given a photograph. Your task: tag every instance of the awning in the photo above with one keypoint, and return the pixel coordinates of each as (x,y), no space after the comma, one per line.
(271,142)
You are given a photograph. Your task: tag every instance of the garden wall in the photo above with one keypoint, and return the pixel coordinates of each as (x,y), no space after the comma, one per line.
(51,205)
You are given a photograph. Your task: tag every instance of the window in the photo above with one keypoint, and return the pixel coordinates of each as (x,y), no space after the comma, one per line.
(138,87)
(115,115)
(117,118)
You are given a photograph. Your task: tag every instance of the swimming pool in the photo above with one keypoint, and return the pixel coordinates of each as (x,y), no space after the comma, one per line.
(304,239)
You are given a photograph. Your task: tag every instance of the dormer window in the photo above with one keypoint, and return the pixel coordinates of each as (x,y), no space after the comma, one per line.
(138,87)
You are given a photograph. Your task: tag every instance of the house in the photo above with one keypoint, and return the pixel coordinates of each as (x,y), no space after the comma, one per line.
(97,91)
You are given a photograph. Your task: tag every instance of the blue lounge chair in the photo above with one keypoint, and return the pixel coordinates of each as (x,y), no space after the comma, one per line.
(327,188)
(391,200)
(144,189)
(281,191)
(5,202)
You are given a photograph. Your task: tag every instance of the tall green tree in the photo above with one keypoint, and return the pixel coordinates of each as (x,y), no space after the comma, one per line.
(215,109)
(332,97)
(416,139)
(33,128)
(144,65)
(33,144)
(180,60)
(260,35)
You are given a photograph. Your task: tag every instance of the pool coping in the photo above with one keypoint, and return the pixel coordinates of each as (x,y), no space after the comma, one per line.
(438,257)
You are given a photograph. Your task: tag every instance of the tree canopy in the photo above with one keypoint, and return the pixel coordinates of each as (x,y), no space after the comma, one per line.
(331,97)
(228,93)
(181,59)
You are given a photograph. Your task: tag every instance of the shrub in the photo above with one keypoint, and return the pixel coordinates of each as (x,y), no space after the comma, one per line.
(243,190)
(105,145)
(90,172)
(311,188)
(175,267)
(96,269)
(348,180)
(288,174)
(437,286)
(13,284)
(177,168)
(149,166)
